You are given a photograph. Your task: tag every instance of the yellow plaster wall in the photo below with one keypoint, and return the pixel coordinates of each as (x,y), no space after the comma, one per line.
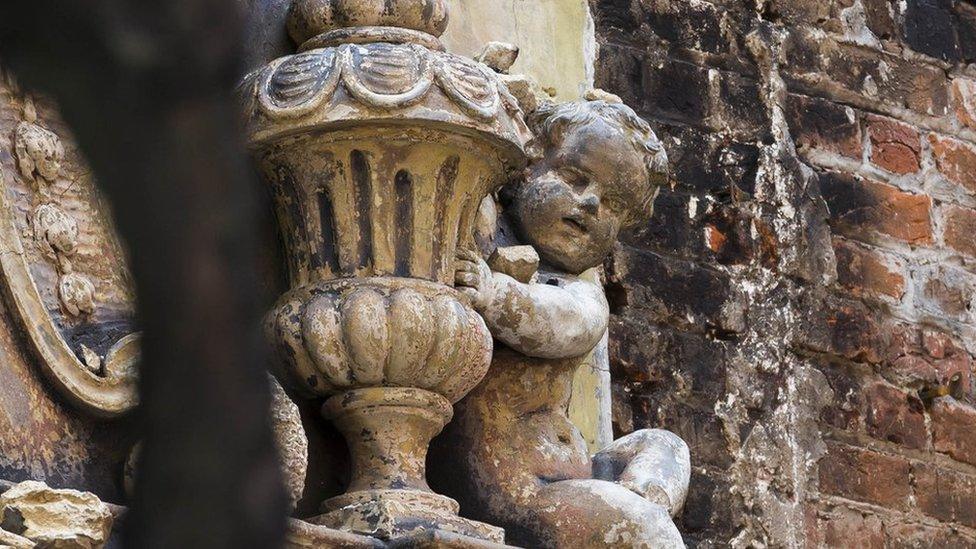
(555,37)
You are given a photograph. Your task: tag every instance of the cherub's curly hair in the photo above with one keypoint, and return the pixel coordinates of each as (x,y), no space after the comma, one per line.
(550,121)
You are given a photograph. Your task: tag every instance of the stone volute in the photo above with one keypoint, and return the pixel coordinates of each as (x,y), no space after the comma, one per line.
(379,147)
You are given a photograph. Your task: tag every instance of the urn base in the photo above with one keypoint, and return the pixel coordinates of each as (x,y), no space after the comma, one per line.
(398,514)
(388,430)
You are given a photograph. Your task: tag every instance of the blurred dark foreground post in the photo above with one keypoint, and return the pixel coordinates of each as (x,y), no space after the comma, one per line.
(146,86)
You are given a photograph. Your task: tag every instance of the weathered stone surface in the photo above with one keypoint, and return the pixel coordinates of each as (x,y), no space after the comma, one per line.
(527,91)
(518,262)
(555,39)
(38,151)
(14,541)
(53,518)
(291,441)
(499,56)
(712,76)
(301,534)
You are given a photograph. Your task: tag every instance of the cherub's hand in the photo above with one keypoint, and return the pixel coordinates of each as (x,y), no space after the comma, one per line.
(472,277)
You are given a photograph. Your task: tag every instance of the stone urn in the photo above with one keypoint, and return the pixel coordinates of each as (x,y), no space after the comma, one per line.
(379,147)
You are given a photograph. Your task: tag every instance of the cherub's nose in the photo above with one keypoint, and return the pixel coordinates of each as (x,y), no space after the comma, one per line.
(590,204)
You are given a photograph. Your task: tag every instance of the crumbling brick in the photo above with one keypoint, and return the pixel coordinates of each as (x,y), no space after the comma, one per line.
(866,273)
(895,146)
(825,125)
(944,494)
(960,229)
(895,416)
(865,475)
(956,160)
(858,207)
(954,429)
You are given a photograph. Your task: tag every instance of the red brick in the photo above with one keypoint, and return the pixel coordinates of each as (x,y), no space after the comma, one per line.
(947,495)
(865,475)
(821,124)
(950,361)
(845,328)
(936,344)
(915,357)
(946,291)
(905,362)
(956,160)
(844,69)
(840,527)
(895,146)
(895,416)
(954,429)
(912,535)
(865,273)
(964,100)
(960,229)
(953,363)
(911,369)
(903,339)
(858,208)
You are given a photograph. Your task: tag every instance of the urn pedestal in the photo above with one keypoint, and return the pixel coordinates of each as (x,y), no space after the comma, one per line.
(378,148)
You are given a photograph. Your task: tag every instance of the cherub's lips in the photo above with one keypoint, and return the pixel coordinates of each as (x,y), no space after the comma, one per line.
(576,223)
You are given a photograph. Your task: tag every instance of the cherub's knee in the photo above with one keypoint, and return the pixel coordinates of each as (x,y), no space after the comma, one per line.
(651,462)
(593,513)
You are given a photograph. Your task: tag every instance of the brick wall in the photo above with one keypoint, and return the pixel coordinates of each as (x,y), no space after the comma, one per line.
(802,307)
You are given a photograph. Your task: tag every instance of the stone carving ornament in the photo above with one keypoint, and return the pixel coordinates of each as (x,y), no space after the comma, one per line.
(379,148)
(512,456)
(63,269)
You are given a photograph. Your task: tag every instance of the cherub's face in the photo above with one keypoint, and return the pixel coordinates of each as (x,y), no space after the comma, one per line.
(576,197)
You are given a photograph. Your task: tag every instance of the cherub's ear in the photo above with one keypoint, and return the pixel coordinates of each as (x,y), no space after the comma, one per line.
(536,118)
(535,149)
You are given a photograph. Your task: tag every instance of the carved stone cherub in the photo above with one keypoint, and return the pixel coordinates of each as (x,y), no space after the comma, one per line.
(511,456)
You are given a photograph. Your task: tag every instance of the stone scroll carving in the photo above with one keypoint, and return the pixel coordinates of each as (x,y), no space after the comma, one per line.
(63,269)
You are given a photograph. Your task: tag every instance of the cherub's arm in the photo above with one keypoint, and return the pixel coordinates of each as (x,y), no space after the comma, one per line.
(537,320)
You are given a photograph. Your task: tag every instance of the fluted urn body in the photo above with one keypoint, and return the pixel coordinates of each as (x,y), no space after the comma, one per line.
(379,148)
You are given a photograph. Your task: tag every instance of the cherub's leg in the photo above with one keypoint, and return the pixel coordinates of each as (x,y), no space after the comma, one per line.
(652,462)
(584,514)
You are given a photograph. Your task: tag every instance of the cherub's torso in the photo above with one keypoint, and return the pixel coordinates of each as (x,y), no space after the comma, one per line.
(522,405)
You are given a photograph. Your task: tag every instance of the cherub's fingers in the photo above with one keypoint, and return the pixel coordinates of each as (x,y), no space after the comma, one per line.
(466,279)
(465,265)
(468,255)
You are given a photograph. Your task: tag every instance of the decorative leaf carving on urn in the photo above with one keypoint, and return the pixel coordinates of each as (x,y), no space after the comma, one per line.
(380,75)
